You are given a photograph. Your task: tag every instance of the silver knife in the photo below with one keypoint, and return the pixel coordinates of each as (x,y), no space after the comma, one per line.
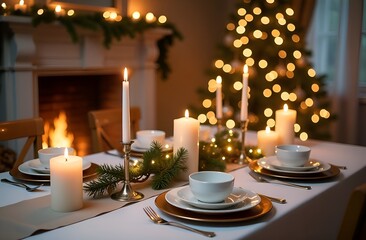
(260,178)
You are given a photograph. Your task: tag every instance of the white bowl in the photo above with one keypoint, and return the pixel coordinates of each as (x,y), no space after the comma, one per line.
(211,186)
(146,137)
(46,154)
(292,155)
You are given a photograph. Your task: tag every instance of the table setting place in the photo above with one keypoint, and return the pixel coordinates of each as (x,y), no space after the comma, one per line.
(154,180)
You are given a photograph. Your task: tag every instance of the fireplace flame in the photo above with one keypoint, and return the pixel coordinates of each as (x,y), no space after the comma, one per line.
(57,136)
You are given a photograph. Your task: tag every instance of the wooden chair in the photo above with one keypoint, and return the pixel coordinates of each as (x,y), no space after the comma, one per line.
(31,129)
(106,127)
(354,220)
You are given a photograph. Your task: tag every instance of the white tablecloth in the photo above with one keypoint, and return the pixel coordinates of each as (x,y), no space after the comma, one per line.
(308,214)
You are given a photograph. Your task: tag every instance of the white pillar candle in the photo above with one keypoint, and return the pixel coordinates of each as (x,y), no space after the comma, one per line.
(219,97)
(126,128)
(267,141)
(285,121)
(244,95)
(66,175)
(186,135)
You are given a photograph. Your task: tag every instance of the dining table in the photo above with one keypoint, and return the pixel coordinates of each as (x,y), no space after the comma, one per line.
(314,213)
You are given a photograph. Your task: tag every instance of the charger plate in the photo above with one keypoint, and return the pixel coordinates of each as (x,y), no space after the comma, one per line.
(88,174)
(259,210)
(332,172)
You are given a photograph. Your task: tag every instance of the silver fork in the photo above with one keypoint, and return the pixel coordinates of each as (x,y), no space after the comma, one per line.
(263,179)
(154,216)
(18,184)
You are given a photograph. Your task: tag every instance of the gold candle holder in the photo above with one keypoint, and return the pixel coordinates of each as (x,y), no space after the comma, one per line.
(243,159)
(127,194)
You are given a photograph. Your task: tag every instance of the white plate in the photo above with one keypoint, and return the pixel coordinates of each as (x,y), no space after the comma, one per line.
(136,146)
(251,200)
(311,164)
(238,195)
(36,168)
(268,163)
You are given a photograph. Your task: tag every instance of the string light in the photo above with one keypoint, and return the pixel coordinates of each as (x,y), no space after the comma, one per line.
(311,72)
(162,19)
(70,12)
(202,118)
(241,11)
(207,103)
(247,52)
(265,20)
(40,11)
(271,122)
(268,112)
(276,88)
(136,15)
(315,87)
(290,11)
(303,136)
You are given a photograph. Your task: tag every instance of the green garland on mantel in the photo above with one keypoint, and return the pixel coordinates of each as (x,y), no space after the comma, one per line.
(112,30)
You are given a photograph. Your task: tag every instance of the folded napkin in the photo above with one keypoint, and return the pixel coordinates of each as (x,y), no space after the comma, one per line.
(25,218)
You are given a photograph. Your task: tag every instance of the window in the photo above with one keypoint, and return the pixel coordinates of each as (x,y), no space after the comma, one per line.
(362,78)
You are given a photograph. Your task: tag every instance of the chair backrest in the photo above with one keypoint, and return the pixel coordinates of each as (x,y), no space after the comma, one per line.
(354,220)
(31,129)
(106,127)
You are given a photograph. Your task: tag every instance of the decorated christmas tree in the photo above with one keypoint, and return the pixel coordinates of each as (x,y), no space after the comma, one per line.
(264,36)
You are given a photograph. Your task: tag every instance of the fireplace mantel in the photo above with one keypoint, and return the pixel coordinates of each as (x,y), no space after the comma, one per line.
(28,52)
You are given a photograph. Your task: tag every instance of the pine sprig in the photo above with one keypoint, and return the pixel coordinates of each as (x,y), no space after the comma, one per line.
(155,161)
(172,167)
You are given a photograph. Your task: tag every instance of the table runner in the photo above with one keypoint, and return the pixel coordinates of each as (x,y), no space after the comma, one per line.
(27,217)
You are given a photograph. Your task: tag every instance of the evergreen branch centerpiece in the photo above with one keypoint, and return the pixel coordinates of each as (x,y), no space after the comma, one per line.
(165,167)
(162,166)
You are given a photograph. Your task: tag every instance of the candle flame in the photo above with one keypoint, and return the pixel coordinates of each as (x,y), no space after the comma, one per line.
(125,74)
(58,8)
(285,107)
(186,113)
(268,130)
(66,153)
(21,2)
(3,5)
(218,79)
(245,68)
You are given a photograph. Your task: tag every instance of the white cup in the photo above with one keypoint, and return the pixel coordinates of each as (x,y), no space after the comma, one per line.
(46,154)
(146,137)
(211,186)
(292,155)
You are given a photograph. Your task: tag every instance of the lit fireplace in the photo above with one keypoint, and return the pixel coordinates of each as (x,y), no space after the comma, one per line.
(31,53)
(57,135)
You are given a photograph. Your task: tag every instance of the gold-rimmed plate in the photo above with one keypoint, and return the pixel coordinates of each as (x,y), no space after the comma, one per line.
(88,174)
(332,172)
(259,210)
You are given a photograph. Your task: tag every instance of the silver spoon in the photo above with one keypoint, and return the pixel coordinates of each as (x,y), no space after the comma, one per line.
(29,189)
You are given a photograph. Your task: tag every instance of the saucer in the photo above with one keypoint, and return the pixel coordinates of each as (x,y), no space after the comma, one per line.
(250,200)
(136,146)
(36,168)
(238,195)
(313,166)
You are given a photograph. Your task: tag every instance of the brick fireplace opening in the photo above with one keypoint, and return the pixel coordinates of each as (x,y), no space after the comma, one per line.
(75,96)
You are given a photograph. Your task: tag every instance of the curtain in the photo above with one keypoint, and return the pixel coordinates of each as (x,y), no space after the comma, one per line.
(303,12)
